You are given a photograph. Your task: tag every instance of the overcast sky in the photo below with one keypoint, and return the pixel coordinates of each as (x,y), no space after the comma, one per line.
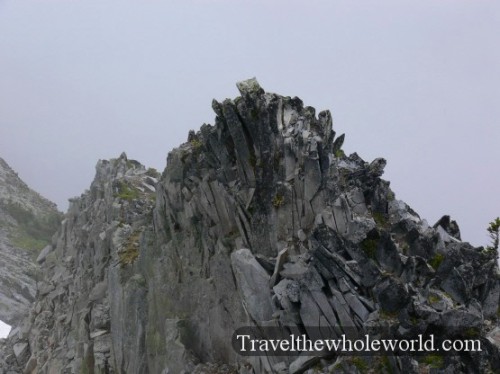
(416,82)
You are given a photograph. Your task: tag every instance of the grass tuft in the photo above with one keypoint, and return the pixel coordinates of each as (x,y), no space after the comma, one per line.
(130,252)
(278,200)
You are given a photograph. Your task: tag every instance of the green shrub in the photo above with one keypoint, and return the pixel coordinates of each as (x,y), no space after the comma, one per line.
(278,200)
(494,232)
(384,365)
(380,219)
(125,192)
(21,239)
(434,361)
(436,260)
(196,143)
(152,172)
(369,246)
(360,364)
(433,298)
(471,332)
(130,252)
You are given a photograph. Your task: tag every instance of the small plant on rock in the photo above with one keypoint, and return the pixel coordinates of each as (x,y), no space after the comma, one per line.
(339,153)
(125,192)
(494,232)
(369,246)
(196,143)
(434,361)
(152,172)
(381,220)
(436,260)
(130,251)
(278,200)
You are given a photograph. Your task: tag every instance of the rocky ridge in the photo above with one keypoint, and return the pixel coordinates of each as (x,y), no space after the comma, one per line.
(27,223)
(258,220)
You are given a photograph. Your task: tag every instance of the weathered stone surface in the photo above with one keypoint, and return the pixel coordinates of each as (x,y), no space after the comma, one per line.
(43,254)
(178,357)
(494,336)
(357,306)
(30,366)
(391,294)
(22,352)
(98,292)
(280,260)
(253,281)
(27,222)
(302,363)
(455,286)
(259,220)
(449,226)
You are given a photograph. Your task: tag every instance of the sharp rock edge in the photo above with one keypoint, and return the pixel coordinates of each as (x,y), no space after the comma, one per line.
(261,220)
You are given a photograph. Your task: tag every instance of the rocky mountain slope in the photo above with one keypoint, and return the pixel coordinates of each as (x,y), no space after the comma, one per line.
(258,220)
(27,223)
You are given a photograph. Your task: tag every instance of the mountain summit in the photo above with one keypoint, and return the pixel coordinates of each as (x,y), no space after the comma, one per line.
(258,221)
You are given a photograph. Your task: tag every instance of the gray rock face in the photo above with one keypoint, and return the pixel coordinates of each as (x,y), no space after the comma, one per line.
(252,280)
(27,223)
(258,220)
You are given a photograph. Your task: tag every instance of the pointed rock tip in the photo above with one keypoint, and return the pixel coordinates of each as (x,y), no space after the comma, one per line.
(123,156)
(217,108)
(249,87)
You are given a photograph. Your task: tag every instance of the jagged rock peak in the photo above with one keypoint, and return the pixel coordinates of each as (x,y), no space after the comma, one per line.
(119,174)
(117,168)
(259,220)
(284,113)
(12,188)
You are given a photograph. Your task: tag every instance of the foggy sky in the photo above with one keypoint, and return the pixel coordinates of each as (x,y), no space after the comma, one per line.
(415,82)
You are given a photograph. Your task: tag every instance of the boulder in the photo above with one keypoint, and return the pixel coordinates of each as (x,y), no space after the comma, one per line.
(253,284)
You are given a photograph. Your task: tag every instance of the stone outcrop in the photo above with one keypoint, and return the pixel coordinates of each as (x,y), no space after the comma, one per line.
(259,220)
(27,223)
